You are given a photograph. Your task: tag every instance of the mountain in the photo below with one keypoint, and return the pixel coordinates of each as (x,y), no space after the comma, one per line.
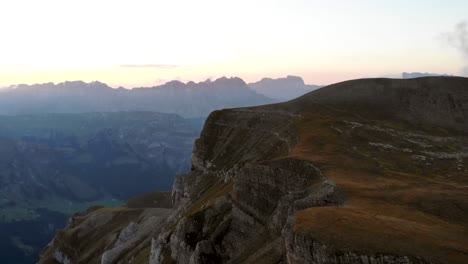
(410,75)
(283,88)
(53,165)
(364,171)
(188,100)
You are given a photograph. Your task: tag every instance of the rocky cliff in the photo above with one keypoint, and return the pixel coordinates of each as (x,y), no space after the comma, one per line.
(366,171)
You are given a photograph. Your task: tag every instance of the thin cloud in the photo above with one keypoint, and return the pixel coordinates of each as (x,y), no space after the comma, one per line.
(458,39)
(160,66)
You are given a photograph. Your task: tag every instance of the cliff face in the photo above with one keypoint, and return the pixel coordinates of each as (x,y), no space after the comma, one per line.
(316,180)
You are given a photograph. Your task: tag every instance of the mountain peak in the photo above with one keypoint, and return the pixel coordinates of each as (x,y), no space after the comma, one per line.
(175,84)
(232,81)
(295,79)
(286,88)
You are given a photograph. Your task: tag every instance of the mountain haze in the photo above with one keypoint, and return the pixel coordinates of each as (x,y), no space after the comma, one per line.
(410,75)
(185,99)
(54,165)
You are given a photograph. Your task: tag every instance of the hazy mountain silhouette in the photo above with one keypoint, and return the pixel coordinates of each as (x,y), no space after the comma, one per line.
(410,75)
(186,99)
(283,88)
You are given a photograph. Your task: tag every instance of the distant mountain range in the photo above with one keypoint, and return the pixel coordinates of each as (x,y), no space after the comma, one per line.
(191,100)
(187,100)
(410,75)
(283,88)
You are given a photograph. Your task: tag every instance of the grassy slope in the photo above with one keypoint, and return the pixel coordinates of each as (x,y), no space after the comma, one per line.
(151,200)
(396,205)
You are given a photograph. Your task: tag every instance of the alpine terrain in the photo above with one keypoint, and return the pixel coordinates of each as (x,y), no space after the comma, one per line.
(363,171)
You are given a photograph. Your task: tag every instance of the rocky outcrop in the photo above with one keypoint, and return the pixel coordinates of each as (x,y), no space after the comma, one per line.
(274,190)
(127,234)
(236,199)
(106,236)
(255,135)
(61,258)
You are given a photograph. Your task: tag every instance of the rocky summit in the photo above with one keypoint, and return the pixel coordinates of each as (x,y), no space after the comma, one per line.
(364,171)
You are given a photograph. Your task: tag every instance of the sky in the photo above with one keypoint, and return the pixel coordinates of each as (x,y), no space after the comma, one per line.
(148,42)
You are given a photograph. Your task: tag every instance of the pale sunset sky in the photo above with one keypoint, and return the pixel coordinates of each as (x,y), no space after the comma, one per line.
(148,42)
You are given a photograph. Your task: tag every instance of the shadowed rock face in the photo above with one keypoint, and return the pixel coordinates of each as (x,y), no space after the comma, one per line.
(346,174)
(243,135)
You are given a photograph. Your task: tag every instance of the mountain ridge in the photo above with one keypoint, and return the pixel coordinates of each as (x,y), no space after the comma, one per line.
(188,100)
